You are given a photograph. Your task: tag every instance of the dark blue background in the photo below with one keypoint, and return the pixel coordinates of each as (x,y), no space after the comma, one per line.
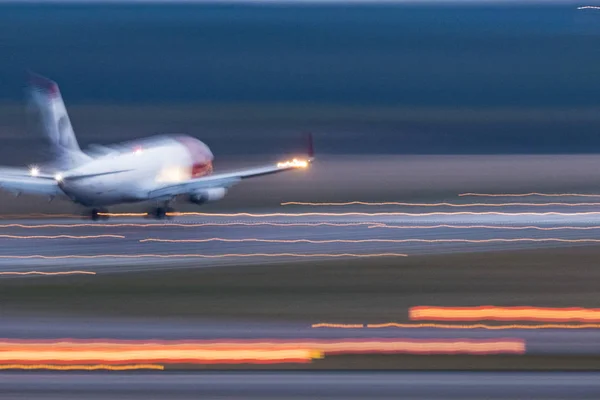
(461,57)
(427,55)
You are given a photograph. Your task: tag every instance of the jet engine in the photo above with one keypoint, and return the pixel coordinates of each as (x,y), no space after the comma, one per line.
(206,195)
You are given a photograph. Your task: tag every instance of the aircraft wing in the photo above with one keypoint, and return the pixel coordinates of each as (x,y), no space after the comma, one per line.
(224,180)
(228,179)
(19,184)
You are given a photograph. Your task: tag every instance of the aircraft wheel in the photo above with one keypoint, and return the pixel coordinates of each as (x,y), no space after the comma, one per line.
(160,213)
(95,214)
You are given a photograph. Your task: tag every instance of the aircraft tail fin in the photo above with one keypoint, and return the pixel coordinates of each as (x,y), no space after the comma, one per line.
(48,104)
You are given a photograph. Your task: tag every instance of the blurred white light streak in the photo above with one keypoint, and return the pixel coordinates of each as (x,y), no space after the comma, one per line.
(195,255)
(411,240)
(63,237)
(383,214)
(47,273)
(532,194)
(396,203)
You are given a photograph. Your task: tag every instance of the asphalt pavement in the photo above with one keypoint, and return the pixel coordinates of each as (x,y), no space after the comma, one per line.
(288,233)
(301,385)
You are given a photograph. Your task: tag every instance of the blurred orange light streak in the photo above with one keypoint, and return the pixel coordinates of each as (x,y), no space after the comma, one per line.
(82,367)
(48,273)
(192,255)
(454,326)
(143,214)
(325,241)
(63,237)
(236,351)
(395,203)
(532,194)
(493,313)
(164,355)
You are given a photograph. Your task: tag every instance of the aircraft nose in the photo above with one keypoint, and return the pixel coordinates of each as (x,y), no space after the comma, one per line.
(200,154)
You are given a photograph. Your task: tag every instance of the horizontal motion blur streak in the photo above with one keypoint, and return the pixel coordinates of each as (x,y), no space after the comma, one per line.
(395,203)
(348,214)
(37,216)
(192,255)
(48,273)
(532,194)
(370,225)
(187,225)
(496,240)
(379,214)
(260,351)
(375,225)
(492,313)
(82,367)
(63,237)
(454,326)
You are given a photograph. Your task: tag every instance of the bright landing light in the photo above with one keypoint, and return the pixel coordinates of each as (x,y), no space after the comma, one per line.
(295,163)
(34,171)
(58,178)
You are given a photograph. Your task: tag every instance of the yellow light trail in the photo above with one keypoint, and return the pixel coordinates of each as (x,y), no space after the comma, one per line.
(82,367)
(451,326)
(230,255)
(532,194)
(48,273)
(142,214)
(167,355)
(236,351)
(325,241)
(443,204)
(63,237)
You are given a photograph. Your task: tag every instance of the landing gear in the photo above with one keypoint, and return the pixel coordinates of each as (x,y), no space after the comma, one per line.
(160,212)
(96,214)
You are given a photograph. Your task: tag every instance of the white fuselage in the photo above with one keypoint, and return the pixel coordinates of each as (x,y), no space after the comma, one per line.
(136,169)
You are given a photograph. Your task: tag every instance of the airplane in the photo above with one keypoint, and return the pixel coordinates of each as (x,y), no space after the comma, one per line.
(157,169)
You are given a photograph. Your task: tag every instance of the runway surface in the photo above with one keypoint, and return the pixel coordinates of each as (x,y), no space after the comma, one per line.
(289,233)
(128,243)
(305,385)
